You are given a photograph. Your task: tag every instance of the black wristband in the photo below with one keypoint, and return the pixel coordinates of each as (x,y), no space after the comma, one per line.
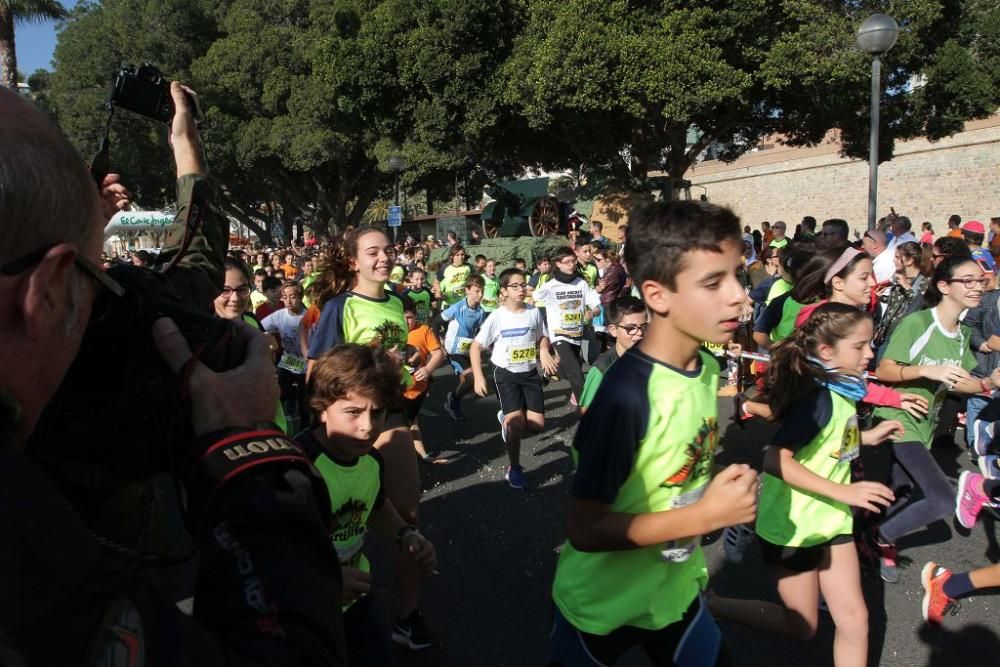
(235,454)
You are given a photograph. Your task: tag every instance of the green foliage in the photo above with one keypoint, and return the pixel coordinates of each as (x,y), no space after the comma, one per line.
(306,100)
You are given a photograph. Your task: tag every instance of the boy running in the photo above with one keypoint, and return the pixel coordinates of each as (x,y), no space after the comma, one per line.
(464,319)
(351,385)
(569,303)
(627,322)
(422,296)
(517,333)
(633,570)
(422,356)
(491,287)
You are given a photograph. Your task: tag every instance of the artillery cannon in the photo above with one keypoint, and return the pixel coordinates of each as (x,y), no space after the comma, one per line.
(523,208)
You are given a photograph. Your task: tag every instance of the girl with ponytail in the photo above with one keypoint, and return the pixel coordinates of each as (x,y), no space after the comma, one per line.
(355,307)
(804,517)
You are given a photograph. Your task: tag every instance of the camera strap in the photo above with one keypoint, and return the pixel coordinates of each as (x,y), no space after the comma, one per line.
(236,453)
(100,166)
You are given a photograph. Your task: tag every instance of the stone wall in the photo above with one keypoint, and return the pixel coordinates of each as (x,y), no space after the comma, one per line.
(925,180)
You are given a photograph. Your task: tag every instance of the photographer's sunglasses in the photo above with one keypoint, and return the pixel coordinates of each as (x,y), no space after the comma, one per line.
(23,263)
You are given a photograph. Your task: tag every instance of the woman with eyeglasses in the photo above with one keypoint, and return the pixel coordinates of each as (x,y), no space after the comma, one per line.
(928,354)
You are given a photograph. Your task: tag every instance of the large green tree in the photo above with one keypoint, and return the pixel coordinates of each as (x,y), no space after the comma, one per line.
(12,12)
(619,84)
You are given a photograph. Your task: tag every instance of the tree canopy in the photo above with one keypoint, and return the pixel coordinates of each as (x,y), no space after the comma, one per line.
(306,100)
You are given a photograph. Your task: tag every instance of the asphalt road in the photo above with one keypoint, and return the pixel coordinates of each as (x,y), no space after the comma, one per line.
(490,602)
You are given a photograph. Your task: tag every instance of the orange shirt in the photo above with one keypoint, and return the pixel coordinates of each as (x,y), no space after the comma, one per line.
(955,233)
(424,341)
(290,270)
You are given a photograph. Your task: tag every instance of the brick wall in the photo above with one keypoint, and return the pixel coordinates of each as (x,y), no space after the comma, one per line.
(926,181)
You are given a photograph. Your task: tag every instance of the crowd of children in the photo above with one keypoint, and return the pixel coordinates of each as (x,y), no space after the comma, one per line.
(360,344)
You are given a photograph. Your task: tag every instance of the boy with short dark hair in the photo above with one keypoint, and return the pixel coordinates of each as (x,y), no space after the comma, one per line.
(633,571)
(626,321)
(423,298)
(423,355)
(351,388)
(464,319)
(272,291)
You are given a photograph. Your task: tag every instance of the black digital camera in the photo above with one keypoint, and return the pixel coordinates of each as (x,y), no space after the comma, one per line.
(118,416)
(145,91)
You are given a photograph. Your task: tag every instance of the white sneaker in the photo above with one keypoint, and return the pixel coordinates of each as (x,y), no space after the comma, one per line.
(503,425)
(735,540)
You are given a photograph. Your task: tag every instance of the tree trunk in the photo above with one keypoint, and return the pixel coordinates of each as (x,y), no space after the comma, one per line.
(430,202)
(8,57)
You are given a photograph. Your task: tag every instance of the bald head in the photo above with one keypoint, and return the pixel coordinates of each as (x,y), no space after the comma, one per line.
(46,193)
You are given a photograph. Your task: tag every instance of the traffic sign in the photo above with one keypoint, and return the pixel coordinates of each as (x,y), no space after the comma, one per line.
(395,216)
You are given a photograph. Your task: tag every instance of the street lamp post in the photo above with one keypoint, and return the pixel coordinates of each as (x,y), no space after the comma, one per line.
(875,37)
(397,164)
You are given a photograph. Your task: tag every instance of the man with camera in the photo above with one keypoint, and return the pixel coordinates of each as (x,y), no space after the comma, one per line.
(268,588)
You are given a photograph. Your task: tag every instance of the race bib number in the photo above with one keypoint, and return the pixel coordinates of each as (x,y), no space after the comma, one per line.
(463,345)
(572,319)
(850,447)
(678,551)
(522,355)
(293,363)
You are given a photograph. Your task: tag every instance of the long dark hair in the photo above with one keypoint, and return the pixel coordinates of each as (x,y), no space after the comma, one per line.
(920,256)
(811,284)
(337,275)
(791,375)
(944,272)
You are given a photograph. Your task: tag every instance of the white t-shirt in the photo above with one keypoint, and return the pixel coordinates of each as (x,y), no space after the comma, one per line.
(514,337)
(287,325)
(564,307)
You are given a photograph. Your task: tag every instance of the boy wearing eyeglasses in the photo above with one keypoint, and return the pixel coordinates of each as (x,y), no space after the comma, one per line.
(626,323)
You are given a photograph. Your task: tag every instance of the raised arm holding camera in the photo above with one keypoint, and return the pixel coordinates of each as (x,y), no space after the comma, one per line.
(268,589)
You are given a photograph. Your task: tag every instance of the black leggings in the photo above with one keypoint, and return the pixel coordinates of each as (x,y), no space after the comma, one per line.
(913,465)
(569,366)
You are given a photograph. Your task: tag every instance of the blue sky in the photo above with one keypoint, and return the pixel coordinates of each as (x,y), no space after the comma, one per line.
(35,43)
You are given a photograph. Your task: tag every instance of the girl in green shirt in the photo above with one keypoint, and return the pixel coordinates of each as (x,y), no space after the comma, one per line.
(928,354)
(804,516)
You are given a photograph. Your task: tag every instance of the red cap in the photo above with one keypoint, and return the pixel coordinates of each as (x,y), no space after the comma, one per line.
(974,226)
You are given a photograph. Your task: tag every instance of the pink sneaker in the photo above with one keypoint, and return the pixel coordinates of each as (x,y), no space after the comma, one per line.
(970,498)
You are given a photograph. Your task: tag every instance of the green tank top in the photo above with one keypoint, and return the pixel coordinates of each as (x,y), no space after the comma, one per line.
(789,311)
(422,302)
(791,517)
(452,282)
(353,491)
(778,287)
(590,274)
(491,294)
(650,587)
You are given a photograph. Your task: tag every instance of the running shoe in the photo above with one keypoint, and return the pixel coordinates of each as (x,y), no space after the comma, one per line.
(735,540)
(888,559)
(970,499)
(989,465)
(453,406)
(503,425)
(412,632)
(982,437)
(515,477)
(936,602)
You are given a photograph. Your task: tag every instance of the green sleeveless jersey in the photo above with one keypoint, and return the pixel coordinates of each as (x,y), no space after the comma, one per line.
(451,280)
(355,489)
(778,287)
(422,299)
(646,444)
(590,274)
(786,326)
(491,294)
(792,517)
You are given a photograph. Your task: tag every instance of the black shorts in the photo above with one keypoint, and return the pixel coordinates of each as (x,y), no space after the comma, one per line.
(411,407)
(519,391)
(800,559)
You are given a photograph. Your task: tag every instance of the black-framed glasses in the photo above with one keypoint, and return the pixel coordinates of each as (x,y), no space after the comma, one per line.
(25,262)
(969,283)
(515,285)
(242,291)
(633,329)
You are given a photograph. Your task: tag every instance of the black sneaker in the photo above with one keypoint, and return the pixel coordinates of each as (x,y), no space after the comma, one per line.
(412,632)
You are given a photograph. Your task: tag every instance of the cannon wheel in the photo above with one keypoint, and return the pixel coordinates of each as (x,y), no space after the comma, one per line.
(491,230)
(544,219)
